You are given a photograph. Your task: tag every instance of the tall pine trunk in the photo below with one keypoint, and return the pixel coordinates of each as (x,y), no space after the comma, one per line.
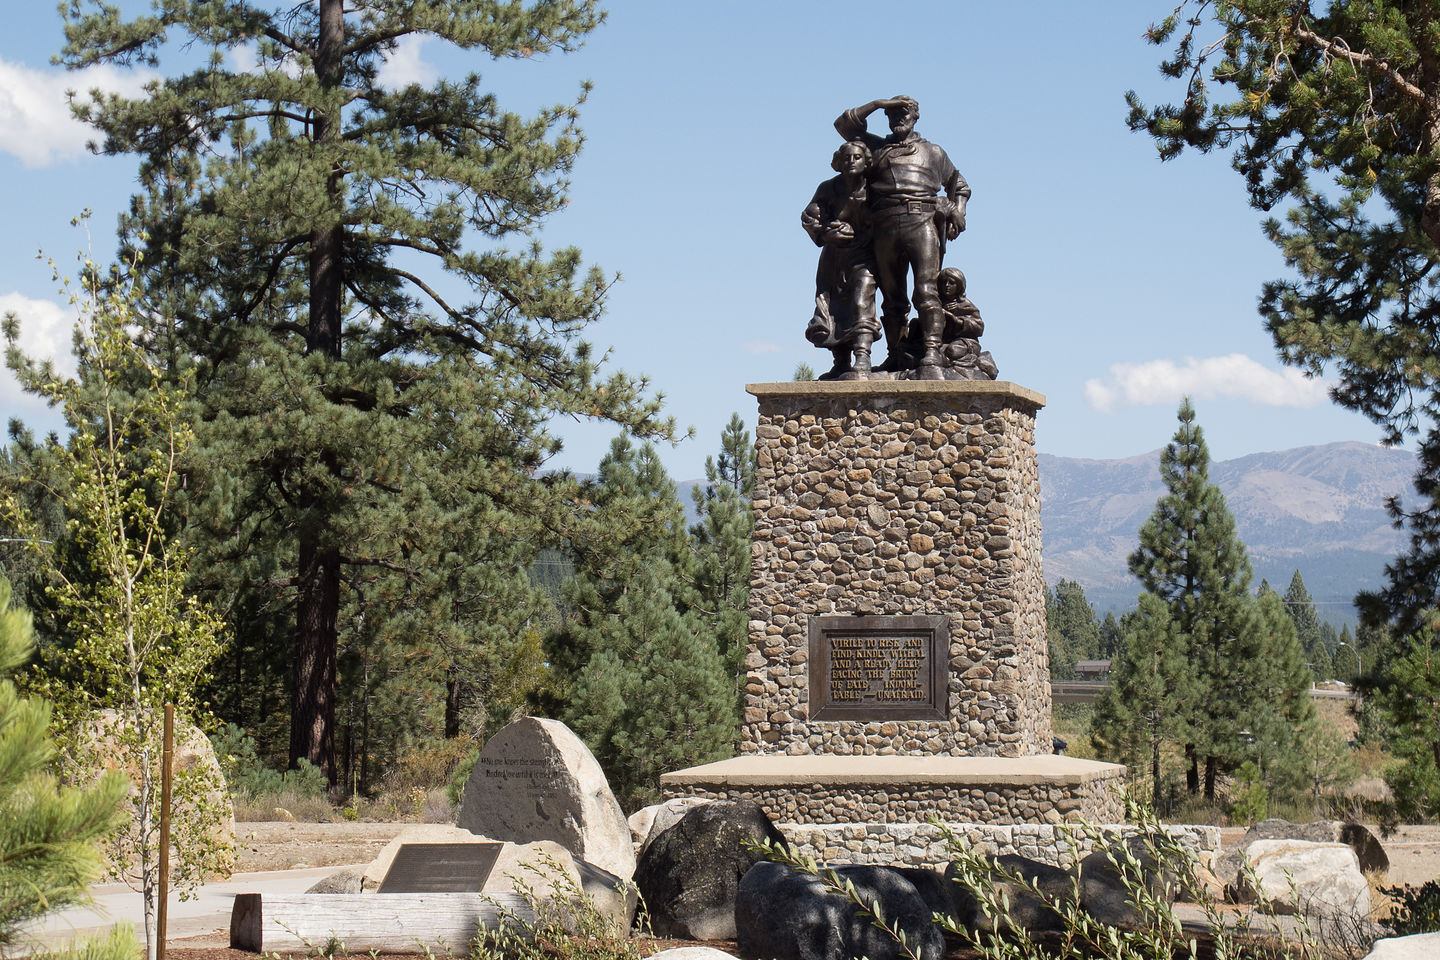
(312,722)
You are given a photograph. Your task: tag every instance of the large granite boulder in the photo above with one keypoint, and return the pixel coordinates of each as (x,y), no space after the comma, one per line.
(536,780)
(785,915)
(651,821)
(1027,911)
(345,880)
(688,874)
(1298,876)
(200,798)
(933,889)
(1368,850)
(1103,893)
(692,953)
(1420,946)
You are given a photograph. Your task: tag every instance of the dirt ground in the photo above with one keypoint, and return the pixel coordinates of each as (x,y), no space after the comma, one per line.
(278,845)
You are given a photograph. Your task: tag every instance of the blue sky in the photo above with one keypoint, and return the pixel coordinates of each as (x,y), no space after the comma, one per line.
(1109,282)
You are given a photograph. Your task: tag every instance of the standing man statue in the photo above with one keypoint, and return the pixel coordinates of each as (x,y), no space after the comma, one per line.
(917,202)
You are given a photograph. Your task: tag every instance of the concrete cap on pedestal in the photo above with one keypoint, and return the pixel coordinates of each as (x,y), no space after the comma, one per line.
(783,770)
(1003,389)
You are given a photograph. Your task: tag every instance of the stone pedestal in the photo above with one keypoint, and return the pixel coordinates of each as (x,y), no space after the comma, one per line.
(897,669)
(900,500)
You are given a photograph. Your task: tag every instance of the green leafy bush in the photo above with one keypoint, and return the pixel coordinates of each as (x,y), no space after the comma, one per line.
(247,776)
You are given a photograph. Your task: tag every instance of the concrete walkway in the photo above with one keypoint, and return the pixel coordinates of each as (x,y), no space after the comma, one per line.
(207,913)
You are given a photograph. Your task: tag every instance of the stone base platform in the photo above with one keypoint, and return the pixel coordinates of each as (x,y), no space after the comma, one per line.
(927,844)
(893,790)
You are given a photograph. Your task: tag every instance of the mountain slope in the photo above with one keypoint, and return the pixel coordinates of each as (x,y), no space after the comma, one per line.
(1319,509)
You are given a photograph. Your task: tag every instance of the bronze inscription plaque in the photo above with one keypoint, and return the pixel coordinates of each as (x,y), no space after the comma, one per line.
(440,868)
(878,668)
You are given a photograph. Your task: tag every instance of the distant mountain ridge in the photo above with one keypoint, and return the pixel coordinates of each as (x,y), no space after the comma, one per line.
(1320,509)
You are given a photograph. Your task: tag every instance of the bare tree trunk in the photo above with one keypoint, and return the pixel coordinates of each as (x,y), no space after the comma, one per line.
(312,721)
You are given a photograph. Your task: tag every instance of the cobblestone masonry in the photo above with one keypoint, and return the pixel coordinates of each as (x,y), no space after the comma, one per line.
(924,844)
(900,498)
(1095,800)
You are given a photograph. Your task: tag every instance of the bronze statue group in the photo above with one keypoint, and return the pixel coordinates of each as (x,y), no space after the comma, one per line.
(895,202)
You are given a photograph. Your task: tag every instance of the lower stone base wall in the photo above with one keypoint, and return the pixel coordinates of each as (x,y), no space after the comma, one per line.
(1093,800)
(926,845)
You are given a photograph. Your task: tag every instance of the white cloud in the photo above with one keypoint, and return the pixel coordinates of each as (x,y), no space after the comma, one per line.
(1234,375)
(245,58)
(35,121)
(758,347)
(403,66)
(47,329)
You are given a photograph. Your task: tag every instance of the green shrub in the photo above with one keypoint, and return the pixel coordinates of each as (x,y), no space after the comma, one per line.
(456,787)
(567,927)
(1251,797)
(247,776)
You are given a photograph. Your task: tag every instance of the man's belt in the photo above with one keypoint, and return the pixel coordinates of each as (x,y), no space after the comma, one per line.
(917,207)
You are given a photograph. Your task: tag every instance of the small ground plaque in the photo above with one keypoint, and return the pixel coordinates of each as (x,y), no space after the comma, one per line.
(878,668)
(440,868)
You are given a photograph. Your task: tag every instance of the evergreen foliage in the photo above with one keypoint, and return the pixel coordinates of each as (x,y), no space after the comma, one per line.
(370,441)
(1154,694)
(1263,707)
(646,660)
(1309,630)
(1347,657)
(1331,112)
(1070,629)
(1401,706)
(1190,558)
(722,545)
(49,833)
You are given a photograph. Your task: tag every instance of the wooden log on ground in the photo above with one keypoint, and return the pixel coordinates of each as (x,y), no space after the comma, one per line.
(359,923)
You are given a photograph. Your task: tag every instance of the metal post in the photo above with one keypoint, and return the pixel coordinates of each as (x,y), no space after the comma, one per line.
(167,758)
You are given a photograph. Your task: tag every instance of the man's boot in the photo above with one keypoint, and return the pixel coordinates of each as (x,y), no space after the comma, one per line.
(861,368)
(932,361)
(895,356)
(841,369)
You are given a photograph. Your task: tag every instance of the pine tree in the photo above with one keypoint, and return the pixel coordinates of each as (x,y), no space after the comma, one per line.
(1154,694)
(1264,703)
(635,518)
(1191,559)
(1308,628)
(349,406)
(1112,637)
(49,834)
(1347,659)
(722,545)
(659,696)
(1400,707)
(1331,113)
(642,675)
(1071,629)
